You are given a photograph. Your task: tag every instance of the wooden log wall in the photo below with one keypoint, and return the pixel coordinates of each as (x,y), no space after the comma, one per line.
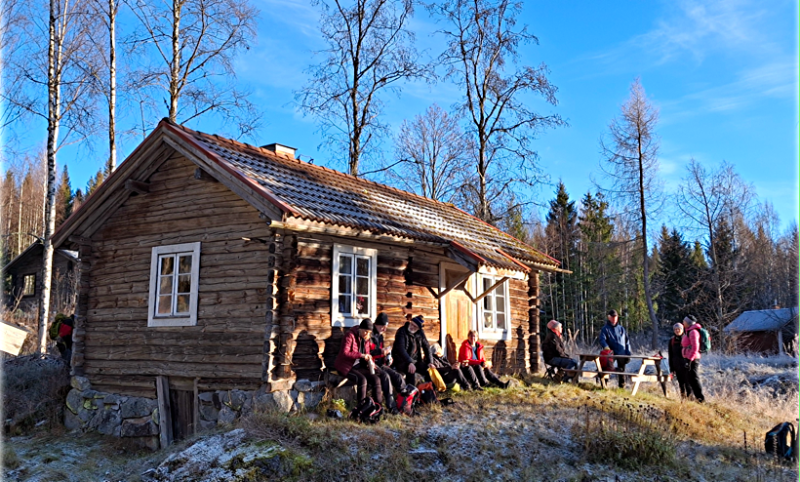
(316,343)
(121,353)
(533,327)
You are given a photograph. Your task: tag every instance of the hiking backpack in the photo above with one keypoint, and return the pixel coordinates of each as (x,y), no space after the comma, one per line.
(367,411)
(781,441)
(705,340)
(606,362)
(407,399)
(427,393)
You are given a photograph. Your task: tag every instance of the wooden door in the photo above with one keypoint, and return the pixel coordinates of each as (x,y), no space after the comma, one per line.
(459,314)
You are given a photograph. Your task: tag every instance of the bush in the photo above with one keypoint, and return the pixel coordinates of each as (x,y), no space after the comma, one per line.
(34,392)
(628,436)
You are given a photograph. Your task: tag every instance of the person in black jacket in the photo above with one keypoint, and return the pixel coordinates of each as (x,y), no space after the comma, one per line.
(451,372)
(382,355)
(411,351)
(677,365)
(553,350)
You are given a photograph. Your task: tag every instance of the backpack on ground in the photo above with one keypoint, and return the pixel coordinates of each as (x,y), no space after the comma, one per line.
(367,411)
(407,400)
(705,340)
(427,393)
(436,379)
(781,441)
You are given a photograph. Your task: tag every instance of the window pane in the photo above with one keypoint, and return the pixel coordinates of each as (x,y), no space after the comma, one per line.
(487,320)
(344,304)
(500,300)
(166,285)
(183,304)
(185,283)
(167,264)
(185,264)
(344,284)
(501,321)
(362,305)
(165,305)
(345,264)
(362,286)
(487,300)
(362,266)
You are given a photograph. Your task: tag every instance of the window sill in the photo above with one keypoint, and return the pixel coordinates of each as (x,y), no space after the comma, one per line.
(159,322)
(495,335)
(347,322)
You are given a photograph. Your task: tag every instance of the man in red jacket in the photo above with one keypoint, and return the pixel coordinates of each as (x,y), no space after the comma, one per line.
(355,362)
(471,357)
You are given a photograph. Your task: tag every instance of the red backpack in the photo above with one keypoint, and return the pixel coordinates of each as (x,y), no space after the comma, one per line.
(606,362)
(407,399)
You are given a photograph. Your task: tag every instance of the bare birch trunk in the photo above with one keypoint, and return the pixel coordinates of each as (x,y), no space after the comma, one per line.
(112,85)
(53,117)
(176,61)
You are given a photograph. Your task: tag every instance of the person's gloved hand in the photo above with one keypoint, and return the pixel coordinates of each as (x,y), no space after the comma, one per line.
(606,348)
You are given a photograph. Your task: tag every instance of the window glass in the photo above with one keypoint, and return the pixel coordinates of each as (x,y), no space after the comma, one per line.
(345,264)
(354,288)
(174,273)
(29,285)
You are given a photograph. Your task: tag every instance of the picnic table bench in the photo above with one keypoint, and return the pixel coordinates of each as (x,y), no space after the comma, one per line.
(636,377)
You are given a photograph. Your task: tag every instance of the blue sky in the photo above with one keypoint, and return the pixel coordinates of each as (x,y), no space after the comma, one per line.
(724,75)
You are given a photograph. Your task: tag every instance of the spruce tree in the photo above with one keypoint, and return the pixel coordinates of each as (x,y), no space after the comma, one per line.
(562,244)
(64,198)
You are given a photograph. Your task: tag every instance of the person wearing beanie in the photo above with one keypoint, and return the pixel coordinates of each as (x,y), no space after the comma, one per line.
(471,358)
(677,365)
(354,362)
(690,345)
(382,355)
(553,350)
(411,350)
(614,337)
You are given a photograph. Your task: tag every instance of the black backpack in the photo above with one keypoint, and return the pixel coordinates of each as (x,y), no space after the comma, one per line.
(781,441)
(367,412)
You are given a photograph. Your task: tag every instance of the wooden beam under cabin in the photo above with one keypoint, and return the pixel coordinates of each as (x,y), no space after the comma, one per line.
(138,187)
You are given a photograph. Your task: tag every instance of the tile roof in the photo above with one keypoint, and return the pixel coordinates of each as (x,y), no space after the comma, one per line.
(315,193)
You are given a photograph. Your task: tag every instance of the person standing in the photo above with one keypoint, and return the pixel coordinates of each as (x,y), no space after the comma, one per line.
(691,355)
(614,337)
(677,365)
(553,350)
(411,350)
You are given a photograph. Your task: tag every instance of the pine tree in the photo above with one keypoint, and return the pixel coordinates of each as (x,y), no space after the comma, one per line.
(64,198)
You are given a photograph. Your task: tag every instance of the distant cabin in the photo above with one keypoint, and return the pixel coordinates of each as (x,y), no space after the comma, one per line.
(766,332)
(213,265)
(25,285)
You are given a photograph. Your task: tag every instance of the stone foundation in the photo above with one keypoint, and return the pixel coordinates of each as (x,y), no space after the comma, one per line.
(137,417)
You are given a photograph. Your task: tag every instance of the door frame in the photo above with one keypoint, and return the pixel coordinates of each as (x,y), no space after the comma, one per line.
(443,267)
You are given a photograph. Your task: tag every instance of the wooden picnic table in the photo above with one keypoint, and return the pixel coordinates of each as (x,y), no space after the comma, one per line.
(636,377)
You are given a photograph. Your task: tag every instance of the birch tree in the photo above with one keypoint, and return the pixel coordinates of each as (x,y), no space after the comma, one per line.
(51,71)
(188,47)
(369,51)
(482,58)
(107,11)
(630,161)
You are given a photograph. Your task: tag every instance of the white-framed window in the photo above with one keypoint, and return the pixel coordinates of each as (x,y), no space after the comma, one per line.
(354,282)
(29,285)
(174,278)
(494,311)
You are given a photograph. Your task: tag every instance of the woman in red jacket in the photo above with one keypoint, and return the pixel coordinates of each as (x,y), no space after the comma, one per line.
(354,361)
(471,358)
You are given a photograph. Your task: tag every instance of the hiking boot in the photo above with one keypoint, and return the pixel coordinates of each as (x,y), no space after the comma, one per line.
(504,385)
(478,388)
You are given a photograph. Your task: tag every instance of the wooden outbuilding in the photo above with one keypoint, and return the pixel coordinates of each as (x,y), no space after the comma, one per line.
(216,265)
(766,332)
(25,273)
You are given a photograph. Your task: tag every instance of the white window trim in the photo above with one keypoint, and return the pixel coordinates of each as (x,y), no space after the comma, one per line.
(191,319)
(338,319)
(494,334)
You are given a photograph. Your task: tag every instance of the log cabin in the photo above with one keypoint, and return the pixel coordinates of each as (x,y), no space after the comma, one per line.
(210,265)
(25,280)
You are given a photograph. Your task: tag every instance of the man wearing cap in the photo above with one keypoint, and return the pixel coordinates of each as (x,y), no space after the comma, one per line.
(355,361)
(553,350)
(411,351)
(690,345)
(614,337)
(383,357)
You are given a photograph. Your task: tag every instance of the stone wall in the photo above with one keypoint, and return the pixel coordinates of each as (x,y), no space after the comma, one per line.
(137,417)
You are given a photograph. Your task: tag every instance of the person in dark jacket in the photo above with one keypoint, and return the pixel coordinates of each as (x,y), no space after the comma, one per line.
(451,372)
(383,357)
(614,337)
(354,361)
(677,365)
(471,357)
(553,350)
(411,351)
